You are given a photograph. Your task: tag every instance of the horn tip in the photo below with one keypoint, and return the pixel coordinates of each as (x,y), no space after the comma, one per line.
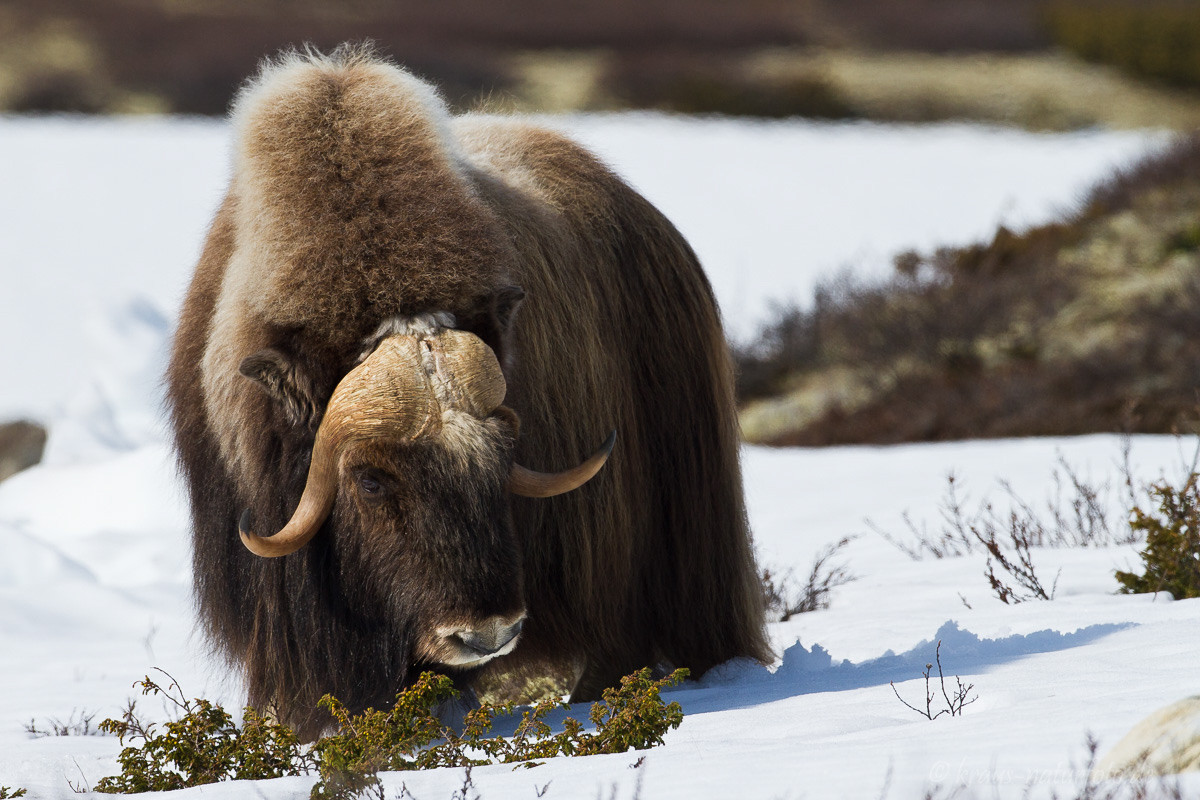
(609,443)
(252,541)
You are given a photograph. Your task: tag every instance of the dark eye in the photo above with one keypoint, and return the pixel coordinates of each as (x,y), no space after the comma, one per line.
(369,485)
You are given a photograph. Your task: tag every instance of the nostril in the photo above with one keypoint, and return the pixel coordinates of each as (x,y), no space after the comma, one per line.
(491,638)
(479,644)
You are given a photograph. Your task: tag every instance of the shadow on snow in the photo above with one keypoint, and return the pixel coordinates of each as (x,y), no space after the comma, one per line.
(738,684)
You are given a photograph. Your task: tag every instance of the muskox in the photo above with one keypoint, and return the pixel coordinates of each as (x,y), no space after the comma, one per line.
(399,318)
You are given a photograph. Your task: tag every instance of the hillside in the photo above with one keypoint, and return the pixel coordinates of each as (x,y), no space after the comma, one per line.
(1089,323)
(1039,64)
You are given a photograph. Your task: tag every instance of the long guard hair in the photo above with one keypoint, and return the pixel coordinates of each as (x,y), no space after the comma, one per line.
(357,197)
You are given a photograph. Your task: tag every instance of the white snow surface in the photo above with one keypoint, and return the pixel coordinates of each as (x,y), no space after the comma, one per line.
(100,221)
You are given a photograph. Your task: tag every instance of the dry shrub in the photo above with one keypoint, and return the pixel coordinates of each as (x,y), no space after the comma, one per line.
(955,699)
(1074,515)
(784,596)
(1050,331)
(79,723)
(788,344)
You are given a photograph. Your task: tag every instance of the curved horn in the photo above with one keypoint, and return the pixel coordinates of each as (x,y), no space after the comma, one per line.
(529,483)
(399,392)
(387,395)
(315,505)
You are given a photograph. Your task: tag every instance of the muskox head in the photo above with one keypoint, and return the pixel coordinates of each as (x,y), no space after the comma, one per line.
(416,449)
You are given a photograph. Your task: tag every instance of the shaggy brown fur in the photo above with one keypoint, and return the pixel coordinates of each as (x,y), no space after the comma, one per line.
(356,198)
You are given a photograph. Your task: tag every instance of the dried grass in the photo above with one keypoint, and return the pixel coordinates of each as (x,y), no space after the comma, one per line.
(1088,324)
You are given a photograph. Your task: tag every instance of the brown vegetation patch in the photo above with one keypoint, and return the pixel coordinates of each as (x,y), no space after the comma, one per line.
(1040,90)
(193,55)
(1158,39)
(910,60)
(1088,324)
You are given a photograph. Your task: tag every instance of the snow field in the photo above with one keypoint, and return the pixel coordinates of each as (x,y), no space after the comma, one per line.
(100,221)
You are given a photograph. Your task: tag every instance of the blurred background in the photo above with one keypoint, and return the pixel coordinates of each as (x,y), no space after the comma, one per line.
(1044,64)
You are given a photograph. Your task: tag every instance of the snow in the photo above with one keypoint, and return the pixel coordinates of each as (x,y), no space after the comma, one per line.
(120,207)
(100,221)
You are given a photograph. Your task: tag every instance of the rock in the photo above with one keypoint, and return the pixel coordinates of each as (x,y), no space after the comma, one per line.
(21,446)
(1165,743)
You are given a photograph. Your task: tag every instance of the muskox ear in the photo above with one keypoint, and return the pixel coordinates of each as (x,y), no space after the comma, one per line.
(285,382)
(505,303)
(491,316)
